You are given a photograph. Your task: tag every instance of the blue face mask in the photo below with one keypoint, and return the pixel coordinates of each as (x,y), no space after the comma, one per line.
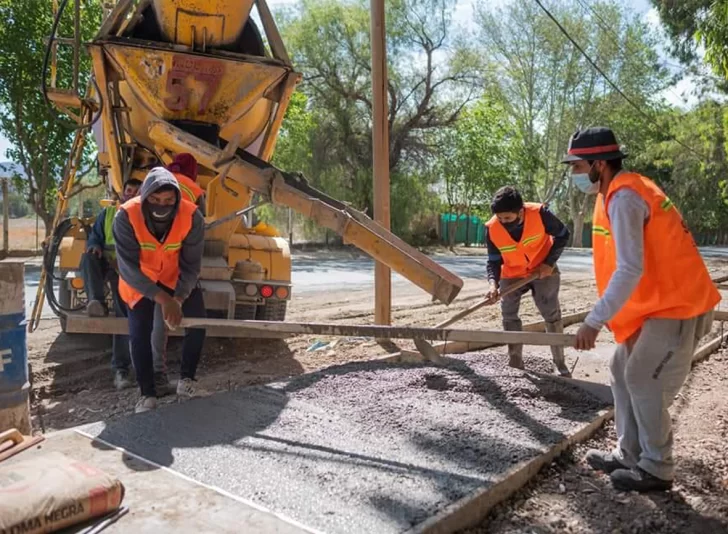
(584,184)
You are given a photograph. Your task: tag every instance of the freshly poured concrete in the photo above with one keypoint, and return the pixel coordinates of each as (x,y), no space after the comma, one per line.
(363,447)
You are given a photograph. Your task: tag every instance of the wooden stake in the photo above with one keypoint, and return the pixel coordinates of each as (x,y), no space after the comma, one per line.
(380,166)
(6,218)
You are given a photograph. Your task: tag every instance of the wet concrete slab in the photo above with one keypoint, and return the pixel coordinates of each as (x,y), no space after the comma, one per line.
(366,447)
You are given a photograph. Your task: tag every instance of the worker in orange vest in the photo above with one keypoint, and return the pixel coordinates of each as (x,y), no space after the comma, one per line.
(525,239)
(184,168)
(159,247)
(655,295)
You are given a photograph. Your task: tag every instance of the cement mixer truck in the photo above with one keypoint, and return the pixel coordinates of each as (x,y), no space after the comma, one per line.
(202,77)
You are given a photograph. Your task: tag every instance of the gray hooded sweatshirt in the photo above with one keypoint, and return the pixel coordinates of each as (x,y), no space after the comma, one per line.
(127,246)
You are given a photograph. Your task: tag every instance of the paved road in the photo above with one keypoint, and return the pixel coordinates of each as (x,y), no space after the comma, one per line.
(315,274)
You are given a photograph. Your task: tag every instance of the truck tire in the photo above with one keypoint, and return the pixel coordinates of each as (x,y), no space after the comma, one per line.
(64,299)
(272,310)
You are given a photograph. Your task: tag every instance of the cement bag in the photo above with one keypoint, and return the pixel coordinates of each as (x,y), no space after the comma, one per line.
(51,492)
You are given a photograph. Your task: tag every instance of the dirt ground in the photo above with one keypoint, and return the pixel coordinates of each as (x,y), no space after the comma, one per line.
(72,382)
(568,497)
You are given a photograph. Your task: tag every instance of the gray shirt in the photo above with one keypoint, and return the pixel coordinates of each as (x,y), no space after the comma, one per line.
(628,214)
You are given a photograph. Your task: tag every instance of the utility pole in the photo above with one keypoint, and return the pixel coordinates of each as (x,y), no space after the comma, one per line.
(6,219)
(380,145)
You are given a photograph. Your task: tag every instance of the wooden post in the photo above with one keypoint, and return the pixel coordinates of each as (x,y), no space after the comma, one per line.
(6,218)
(380,149)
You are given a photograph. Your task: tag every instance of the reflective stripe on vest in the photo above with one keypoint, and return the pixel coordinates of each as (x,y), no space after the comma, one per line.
(158,261)
(109,241)
(675,283)
(520,259)
(189,187)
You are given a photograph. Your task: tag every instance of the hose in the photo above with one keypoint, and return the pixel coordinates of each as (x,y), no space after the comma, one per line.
(49,263)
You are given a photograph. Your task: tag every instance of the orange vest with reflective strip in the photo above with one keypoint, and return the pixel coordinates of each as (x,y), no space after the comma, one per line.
(189,187)
(675,283)
(523,257)
(158,261)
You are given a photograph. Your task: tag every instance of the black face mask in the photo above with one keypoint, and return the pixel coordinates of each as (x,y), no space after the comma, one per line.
(512,225)
(160,213)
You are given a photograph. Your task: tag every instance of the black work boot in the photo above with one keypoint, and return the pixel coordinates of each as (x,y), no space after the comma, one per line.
(603,461)
(557,352)
(638,479)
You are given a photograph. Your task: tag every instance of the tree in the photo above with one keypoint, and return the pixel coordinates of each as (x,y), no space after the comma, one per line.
(478,155)
(40,140)
(431,79)
(693,177)
(551,89)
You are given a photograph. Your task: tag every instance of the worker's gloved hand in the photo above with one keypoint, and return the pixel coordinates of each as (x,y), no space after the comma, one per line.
(493,293)
(544,271)
(586,337)
(96,251)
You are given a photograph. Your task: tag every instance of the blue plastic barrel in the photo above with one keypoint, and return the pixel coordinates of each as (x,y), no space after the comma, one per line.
(14,384)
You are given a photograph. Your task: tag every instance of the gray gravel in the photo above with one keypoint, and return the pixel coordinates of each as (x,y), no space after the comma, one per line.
(363,447)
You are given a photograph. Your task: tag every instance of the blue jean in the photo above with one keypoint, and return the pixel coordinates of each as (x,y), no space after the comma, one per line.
(141,324)
(96,272)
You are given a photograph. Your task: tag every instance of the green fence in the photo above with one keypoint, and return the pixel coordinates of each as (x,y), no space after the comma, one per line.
(467,230)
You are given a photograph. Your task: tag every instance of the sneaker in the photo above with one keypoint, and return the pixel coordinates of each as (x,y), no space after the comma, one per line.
(145,404)
(122,380)
(162,385)
(638,479)
(603,461)
(186,389)
(96,308)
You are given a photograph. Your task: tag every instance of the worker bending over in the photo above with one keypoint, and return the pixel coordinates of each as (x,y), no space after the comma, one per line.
(526,239)
(160,242)
(98,266)
(657,298)
(184,169)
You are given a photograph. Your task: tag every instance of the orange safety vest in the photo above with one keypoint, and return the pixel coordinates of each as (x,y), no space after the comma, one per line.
(189,187)
(158,261)
(520,259)
(675,283)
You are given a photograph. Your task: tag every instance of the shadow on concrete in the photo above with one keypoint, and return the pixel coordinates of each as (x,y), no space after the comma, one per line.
(222,419)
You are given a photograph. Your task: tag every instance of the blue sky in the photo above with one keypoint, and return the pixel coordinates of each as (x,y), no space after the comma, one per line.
(464,16)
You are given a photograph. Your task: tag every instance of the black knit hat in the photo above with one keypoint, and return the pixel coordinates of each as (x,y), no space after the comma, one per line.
(593,143)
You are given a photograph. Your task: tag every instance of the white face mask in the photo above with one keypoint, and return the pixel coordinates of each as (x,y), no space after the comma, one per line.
(582,181)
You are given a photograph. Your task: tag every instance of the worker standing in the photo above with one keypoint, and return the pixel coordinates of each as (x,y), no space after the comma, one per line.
(98,266)
(657,298)
(160,243)
(184,168)
(525,239)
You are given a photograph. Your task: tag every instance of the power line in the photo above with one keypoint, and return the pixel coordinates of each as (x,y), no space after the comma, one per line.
(617,38)
(605,26)
(614,86)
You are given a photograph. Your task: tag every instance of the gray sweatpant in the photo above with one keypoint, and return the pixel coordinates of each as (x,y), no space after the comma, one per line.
(546,297)
(159,341)
(647,371)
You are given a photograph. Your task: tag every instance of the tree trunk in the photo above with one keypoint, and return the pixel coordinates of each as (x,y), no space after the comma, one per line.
(577,241)
(467,229)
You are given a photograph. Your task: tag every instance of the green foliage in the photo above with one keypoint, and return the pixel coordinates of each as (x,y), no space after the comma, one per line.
(40,141)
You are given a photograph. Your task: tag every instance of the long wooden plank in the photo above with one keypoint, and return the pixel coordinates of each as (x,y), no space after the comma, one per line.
(387,332)
(720,315)
(78,323)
